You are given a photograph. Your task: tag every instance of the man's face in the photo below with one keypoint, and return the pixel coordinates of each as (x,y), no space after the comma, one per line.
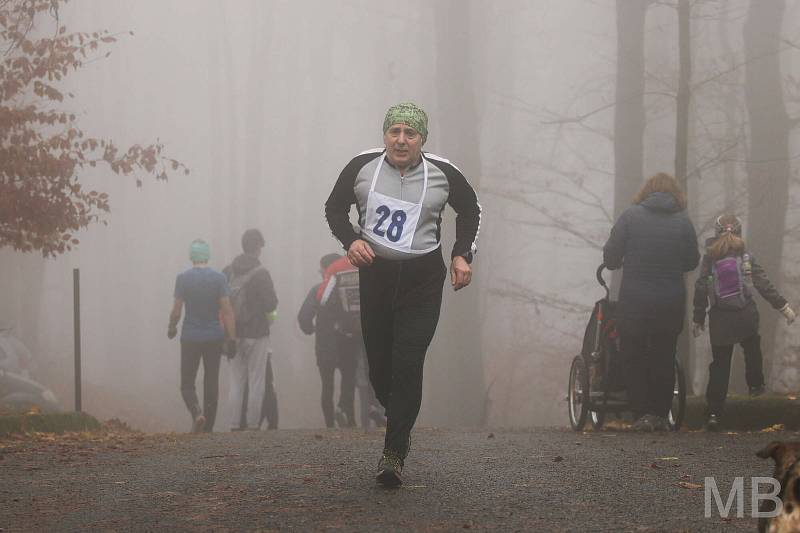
(403,145)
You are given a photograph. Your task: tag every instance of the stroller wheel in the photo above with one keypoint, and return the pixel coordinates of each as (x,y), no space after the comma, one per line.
(678,410)
(578,393)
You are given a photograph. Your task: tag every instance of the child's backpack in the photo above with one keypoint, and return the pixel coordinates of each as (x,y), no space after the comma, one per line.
(730,277)
(238,295)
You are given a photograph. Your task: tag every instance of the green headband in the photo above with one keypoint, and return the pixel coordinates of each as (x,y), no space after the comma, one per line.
(410,114)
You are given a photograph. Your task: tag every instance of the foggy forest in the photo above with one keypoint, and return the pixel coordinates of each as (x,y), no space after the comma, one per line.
(245,112)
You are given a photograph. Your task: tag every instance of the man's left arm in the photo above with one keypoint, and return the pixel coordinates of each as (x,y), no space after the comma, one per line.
(266,292)
(464,201)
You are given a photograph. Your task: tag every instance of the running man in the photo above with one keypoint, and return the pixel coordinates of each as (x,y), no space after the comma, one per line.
(400,193)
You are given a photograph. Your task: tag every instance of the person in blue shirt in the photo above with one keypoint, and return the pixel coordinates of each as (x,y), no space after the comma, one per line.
(204,291)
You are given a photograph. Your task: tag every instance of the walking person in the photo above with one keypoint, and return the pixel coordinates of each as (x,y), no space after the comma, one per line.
(253,298)
(655,244)
(336,346)
(204,293)
(400,193)
(728,275)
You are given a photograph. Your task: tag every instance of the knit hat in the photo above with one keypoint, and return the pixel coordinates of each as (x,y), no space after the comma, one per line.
(410,114)
(199,251)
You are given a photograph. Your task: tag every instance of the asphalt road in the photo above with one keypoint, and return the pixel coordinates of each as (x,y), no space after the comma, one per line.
(543,479)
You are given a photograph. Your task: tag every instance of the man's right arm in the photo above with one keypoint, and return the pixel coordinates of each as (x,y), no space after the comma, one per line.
(337,208)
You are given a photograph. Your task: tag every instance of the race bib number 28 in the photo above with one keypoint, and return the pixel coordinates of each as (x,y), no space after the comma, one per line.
(396,220)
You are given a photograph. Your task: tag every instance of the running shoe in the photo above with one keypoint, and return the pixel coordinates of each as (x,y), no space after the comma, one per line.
(199,424)
(643,424)
(712,422)
(390,469)
(377,417)
(757,391)
(659,423)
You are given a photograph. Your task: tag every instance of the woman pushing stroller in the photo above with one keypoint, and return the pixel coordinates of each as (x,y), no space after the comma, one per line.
(657,243)
(727,276)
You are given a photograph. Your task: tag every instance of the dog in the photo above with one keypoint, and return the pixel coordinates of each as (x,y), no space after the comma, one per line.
(787,471)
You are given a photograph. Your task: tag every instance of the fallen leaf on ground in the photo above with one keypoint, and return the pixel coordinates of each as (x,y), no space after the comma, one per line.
(558,459)
(792,397)
(690,486)
(667,458)
(773,428)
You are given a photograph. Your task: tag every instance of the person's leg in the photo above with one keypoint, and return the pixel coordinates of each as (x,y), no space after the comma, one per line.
(269,409)
(377,289)
(661,373)
(190,362)
(633,353)
(212,353)
(718,375)
(753,362)
(255,379)
(326,370)
(237,380)
(347,386)
(417,308)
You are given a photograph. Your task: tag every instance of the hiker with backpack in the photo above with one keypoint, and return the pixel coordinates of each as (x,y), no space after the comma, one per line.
(204,292)
(253,298)
(655,244)
(728,275)
(336,344)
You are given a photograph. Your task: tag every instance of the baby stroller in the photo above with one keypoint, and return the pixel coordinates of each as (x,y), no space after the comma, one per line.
(596,377)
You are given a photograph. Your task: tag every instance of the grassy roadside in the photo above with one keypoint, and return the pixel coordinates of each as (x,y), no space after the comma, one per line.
(745,413)
(11,423)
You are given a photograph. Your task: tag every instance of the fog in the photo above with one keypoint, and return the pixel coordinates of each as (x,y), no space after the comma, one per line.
(266,101)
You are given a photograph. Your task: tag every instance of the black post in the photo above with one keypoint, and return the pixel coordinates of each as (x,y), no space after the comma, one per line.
(76,288)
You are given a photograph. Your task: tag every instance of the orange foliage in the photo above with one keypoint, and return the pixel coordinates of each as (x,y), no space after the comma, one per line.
(42,148)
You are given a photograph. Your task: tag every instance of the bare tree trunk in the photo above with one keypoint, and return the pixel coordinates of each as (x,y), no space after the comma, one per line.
(458,120)
(768,161)
(683,102)
(629,114)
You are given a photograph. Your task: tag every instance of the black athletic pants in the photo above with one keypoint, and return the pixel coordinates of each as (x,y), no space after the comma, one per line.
(719,371)
(400,302)
(191,355)
(346,363)
(650,362)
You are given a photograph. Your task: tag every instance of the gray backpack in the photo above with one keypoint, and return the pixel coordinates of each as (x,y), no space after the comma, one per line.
(238,295)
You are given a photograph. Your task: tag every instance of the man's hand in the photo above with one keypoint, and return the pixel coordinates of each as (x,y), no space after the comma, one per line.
(697,329)
(360,253)
(460,273)
(172,331)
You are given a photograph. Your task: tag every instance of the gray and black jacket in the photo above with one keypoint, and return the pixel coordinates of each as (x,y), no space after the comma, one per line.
(732,326)
(446,185)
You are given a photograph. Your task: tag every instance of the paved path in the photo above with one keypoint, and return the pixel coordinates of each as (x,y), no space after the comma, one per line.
(523,480)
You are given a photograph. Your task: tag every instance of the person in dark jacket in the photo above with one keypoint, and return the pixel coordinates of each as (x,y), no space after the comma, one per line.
(335,347)
(733,317)
(253,298)
(656,244)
